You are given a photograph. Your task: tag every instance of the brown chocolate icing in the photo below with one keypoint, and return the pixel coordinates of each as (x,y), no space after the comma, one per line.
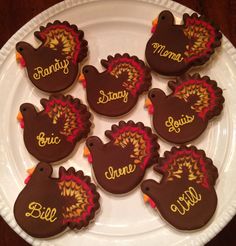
(183,115)
(185,197)
(46,206)
(51,134)
(173,49)
(115,91)
(120,165)
(53,66)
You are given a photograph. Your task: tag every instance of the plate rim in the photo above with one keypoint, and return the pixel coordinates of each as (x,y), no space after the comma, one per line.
(5,212)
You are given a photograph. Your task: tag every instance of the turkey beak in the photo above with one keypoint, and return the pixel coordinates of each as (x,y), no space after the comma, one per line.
(20,59)
(20,119)
(82,80)
(30,172)
(154,25)
(149,200)
(148,104)
(87,154)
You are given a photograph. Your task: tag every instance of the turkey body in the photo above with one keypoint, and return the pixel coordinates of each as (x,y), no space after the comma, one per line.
(49,70)
(32,203)
(181,202)
(39,132)
(107,95)
(164,39)
(115,171)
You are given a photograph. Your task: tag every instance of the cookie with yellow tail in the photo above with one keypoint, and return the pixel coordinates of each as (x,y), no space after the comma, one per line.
(173,48)
(185,196)
(52,133)
(115,91)
(53,65)
(48,205)
(184,114)
(120,164)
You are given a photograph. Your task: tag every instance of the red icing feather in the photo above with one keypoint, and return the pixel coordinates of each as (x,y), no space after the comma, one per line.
(138,78)
(84,192)
(65,37)
(71,112)
(200,169)
(132,132)
(203,36)
(208,96)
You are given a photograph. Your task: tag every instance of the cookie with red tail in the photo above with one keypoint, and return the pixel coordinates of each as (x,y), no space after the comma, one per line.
(52,133)
(185,196)
(53,66)
(47,205)
(115,91)
(184,114)
(173,49)
(120,164)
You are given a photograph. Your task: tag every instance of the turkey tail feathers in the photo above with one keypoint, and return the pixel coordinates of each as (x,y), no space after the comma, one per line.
(144,142)
(80,196)
(72,113)
(64,37)
(138,76)
(204,36)
(188,161)
(207,95)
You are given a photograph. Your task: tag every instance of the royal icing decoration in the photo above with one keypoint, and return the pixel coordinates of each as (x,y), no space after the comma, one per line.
(37,211)
(120,164)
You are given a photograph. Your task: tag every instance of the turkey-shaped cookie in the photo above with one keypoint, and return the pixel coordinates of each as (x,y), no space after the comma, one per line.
(51,134)
(53,66)
(173,49)
(184,114)
(120,164)
(47,205)
(185,196)
(115,91)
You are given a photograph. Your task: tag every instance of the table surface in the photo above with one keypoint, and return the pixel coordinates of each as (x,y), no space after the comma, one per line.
(15,15)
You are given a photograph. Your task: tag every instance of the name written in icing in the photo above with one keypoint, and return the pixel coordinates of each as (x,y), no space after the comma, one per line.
(187,200)
(37,211)
(163,52)
(111,96)
(174,125)
(57,66)
(116,173)
(43,140)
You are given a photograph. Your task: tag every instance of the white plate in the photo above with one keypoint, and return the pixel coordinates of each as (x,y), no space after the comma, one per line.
(110,27)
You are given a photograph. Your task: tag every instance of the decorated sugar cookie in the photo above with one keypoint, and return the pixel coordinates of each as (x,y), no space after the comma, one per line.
(53,66)
(115,91)
(184,114)
(173,49)
(47,205)
(120,164)
(185,196)
(52,133)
